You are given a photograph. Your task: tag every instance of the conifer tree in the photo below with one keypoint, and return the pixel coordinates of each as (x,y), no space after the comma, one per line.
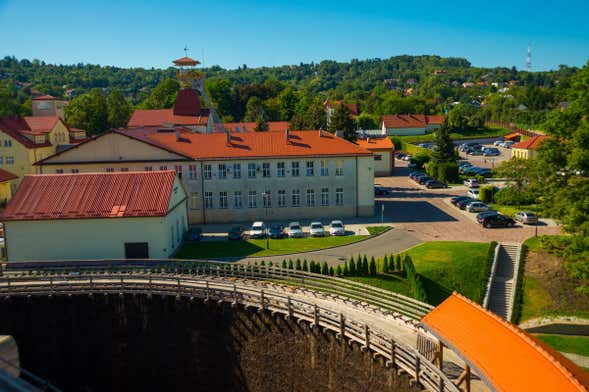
(305,266)
(325,268)
(372,266)
(338,270)
(364,265)
(352,267)
(290,266)
(284,263)
(385,264)
(298,265)
(331,271)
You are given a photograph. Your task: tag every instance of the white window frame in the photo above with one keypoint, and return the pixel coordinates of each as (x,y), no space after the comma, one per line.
(267,199)
(252,199)
(295,169)
(208,199)
(223,200)
(310,199)
(222,171)
(192,172)
(282,198)
(324,167)
(251,170)
(207,172)
(310,168)
(280,169)
(266,169)
(237,170)
(237,199)
(339,196)
(339,168)
(324,196)
(296,198)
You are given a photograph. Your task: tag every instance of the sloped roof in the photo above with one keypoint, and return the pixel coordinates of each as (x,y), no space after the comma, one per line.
(187,103)
(46,98)
(383,143)
(159,117)
(508,358)
(91,195)
(186,61)
(250,126)
(14,126)
(531,143)
(41,124)
(6,175)
(411,120)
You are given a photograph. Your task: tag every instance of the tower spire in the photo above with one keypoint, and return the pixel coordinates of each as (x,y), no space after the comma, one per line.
(529,58)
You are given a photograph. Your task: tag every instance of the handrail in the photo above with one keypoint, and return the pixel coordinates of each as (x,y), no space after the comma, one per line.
(516,270)
(491,277)
(247,294)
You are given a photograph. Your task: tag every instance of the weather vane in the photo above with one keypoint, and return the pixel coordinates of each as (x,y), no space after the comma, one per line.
(186,50)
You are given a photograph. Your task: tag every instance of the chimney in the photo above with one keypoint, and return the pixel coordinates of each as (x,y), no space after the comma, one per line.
(320,133)
(286,135)
(228,135)
(178,137)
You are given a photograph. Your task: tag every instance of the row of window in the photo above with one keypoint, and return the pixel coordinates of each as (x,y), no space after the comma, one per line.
(223,170)
(7,160)
(282,199)
(7,143)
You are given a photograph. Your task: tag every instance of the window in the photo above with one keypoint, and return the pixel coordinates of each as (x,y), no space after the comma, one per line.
(223,200)
(295,169)
(207,172)
(222,172)
(267,199)
(237,202)
(324,168)
(324,196)
(310,198)
(178,169)
(192,172)
(75,170)
(208,199)
(148,168)
(378,157)
(9,160)
(110,169)
(7,143)
(339,168)
(59,171)
(251,170)
(296,198)
(193,200)
(1,160)
(280,169)
(310,168)
(236,170)
(282,198)
(251,199)
(265,169)
(339,196)
(124,169)
(164,167)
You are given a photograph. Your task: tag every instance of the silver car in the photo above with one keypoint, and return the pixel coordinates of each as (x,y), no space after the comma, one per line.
(477,206)
(316,229)
(526,217)
(294,230)
(337,228)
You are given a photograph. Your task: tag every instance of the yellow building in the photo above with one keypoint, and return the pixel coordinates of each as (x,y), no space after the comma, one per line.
(527,149)
(383,149)
(5,191)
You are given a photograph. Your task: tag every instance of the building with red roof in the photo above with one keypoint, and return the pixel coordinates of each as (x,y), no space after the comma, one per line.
(383,149)
(238,127)
(410,124)
(5,190)
(239,177)
(61,216)
(526,149)
(48,105)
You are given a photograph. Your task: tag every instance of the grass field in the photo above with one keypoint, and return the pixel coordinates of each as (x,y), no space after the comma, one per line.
(386,282)
(512,210)
(477,134)
(257,247)
(566,343)
(375,230)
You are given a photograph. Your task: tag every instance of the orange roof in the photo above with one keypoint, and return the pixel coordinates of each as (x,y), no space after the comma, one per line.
(376,144)
(46,98)
(512,135)
(250,126)
(41,124)
(91,195)
(186,61)
(411,120)
(158,117)
(247,145)
(15,126)
(506,357)
(6,175)
(531,143)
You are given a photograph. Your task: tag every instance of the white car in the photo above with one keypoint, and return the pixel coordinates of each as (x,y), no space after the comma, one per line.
(477,206)
(474,193)
(337,227)
(507,144)
(497,143)
(258,230)
(294,230)
(316,229)
(471,183)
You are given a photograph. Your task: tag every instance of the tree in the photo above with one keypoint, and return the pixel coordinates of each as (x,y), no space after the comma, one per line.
(315,116)
(385,264)
(89,112)
(298,265)
(338,270)
(372,267)
(306,266)
(283,263)
(163,96)
(352,267)
(366,121)
(290,265)
(331,271)
(341,120)
(364,265)
(325,268)
(287,100)
(222,96)
(254,110)
(261,125)
(119,110)
(444,148)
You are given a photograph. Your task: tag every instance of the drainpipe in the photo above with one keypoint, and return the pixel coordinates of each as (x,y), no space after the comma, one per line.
(202,193)
(357,194)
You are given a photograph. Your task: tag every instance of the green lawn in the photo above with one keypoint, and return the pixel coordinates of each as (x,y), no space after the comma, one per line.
(536,301)
(375,230)
(257,247)
(512,210)
(447,266)
(385,281)
(480,133)
(566,343)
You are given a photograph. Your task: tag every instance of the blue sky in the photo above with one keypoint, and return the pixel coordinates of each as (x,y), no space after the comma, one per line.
(256,32)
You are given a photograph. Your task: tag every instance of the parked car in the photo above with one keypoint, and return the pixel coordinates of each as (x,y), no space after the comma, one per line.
(497,220)
(477,206)
(469,170)
(482,171)
(471,183)
(507,144)
(491,152)
(497,142)
(423,179)
(294,230)
(400,155)
(457,199)
(235,233)
(316,229)
(337,227)
(473,193)
(407,157)
(482,215)
(526,217)
(464,202)
(435,184)
(380,191)
(258,230)
(464,164)
(418,176)
(276,231)
(475,152)
(193,234)
(414,174)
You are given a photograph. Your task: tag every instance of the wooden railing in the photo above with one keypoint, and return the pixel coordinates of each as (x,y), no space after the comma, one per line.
(209,287)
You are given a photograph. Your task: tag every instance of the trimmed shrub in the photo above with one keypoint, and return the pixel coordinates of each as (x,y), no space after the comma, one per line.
(338,270)
(486,193)
(352,267)
(290,265)
(420,159)
(512,196)
(364,265)
(345,270)
(385,264)
(284,263)
(325,268)
(298,265)
(331,271)
(372,267)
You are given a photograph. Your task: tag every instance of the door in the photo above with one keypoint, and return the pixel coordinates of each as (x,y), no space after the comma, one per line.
(136,250)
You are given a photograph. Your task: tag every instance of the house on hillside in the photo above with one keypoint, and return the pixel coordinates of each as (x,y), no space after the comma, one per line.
(95,216)
(410,124)
(330,108)
(382,150)
(526,149)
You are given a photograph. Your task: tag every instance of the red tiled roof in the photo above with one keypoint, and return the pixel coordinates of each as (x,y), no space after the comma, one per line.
(159,117)
(506,357)
(411,120)
(91,195)
(383,143)
(250,126)
(14,126)
(186,61)
(46,98)
(41,124)
(6,175)
(531,143)
(187,103)
(247,145)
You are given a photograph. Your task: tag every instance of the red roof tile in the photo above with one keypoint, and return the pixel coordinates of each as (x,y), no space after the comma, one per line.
(6,175)
(531,143)
(46,98)
(91,195)
(250,126)
(186,61)
(248,145)
(159,117)
(383,143)
(411,120)
(41,124)
(14,126)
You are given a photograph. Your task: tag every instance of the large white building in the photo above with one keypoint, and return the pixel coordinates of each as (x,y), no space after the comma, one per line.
(410,124)
(239,177)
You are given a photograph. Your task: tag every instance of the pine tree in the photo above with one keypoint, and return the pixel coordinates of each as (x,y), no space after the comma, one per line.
(298,265)
(270,264)
(385,264)
(284,263)
(352,267)
(398,265)
(325,268)
(345,271)
(338,270)
(364,265)
(290,266)
(306,266)
(331,271)
(372,266)
(312,266)
(262,263)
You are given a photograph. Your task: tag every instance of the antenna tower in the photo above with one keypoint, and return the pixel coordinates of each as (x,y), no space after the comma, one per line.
(529,58)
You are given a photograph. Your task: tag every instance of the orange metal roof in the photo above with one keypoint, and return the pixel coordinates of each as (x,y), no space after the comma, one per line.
(159,117)
(186,61)
(507,357)
(250,126)
(531,143)
(376,144)
(91,195)
(411,120)
(6,175)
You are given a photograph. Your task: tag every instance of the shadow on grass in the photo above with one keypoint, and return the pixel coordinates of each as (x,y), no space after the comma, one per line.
(217,249)
(436,293)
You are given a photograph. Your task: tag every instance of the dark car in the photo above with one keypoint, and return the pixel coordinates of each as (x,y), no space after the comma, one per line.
(276,231)
(380,191)
(456,199)
(484,172)
(435,184)
(235,233)
(414,174)
(193,234)
(497,220)
(482,215)
(423,179)
(464,202)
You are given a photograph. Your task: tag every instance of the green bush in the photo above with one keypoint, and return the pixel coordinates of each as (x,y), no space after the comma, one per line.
(486,193)
(513,196)
(420,160)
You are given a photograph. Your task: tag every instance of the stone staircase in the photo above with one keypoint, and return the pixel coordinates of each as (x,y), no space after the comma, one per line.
(504,281)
